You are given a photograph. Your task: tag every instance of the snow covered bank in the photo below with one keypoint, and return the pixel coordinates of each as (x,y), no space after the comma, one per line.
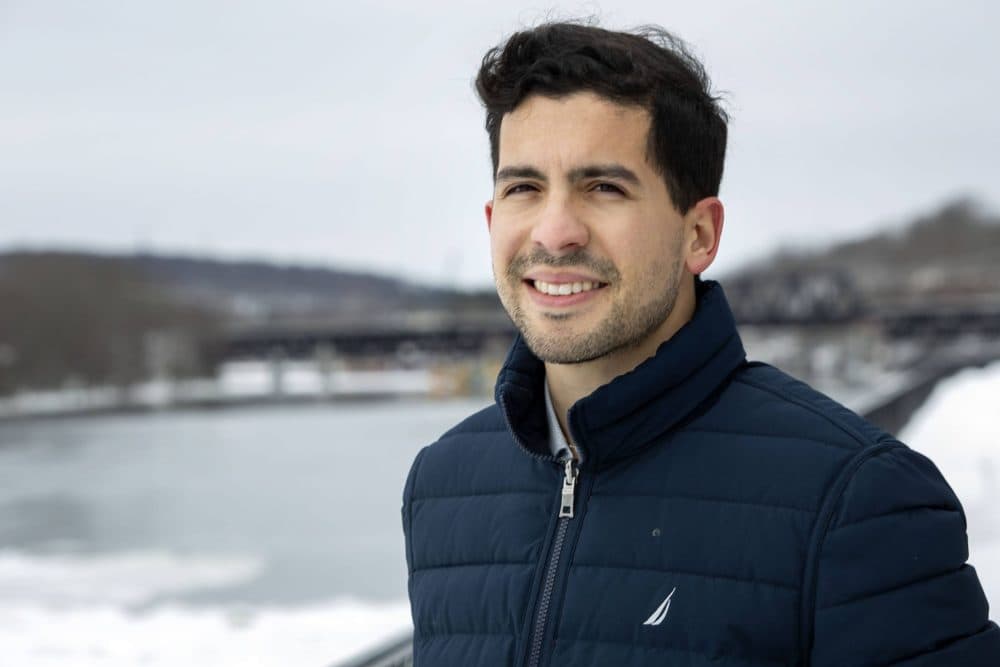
(959,429)
(87,611)
(237,383)
(178,636)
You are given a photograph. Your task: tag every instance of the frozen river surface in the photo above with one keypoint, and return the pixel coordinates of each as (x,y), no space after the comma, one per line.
(246,537)
(272,536)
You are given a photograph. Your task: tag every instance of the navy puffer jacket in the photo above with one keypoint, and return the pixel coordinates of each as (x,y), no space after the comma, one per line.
(724,514)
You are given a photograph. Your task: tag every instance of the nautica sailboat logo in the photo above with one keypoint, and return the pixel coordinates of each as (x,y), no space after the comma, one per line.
(661,611)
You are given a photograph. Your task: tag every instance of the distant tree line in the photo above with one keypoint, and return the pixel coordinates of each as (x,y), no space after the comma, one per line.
(950,253)
(73,318)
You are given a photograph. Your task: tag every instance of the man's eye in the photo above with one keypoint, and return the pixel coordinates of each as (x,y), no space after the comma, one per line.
(608,187)
(519,188)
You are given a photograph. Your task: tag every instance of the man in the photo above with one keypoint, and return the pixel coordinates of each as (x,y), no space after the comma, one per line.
(640,494)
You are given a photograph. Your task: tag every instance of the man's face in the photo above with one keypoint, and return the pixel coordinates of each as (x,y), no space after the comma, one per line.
(587,246)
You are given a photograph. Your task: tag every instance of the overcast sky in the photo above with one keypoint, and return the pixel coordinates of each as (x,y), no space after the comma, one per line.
(348,134)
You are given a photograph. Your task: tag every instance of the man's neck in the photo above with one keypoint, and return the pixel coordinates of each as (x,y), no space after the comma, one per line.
(568,383)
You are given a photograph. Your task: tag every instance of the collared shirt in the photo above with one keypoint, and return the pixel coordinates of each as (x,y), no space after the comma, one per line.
(557,441)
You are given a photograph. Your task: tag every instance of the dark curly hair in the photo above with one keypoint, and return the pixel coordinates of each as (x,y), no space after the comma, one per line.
(649,67)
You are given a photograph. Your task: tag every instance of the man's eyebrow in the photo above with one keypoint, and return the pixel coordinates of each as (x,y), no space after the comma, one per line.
(511,173)
(613,171)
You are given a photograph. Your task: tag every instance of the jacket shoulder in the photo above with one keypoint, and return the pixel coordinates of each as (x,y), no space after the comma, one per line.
(464,457)
(487,420)
(481,428)
(891,583)
(764,400)
(888,540)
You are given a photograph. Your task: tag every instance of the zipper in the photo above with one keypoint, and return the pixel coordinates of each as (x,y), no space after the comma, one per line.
(568,489)
(545,600)
(566,511)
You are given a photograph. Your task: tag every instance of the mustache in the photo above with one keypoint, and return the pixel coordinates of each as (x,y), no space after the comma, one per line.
(602,268)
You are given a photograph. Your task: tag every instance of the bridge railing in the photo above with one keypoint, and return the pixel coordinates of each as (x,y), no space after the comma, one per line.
(396,652)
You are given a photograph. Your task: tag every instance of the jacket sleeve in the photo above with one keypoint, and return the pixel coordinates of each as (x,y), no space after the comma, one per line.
(892,586)
(406,510)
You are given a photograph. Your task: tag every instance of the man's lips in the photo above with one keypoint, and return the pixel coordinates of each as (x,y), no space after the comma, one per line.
(563,292)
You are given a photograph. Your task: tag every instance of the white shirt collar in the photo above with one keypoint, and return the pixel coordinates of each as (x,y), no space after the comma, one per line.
(557,441)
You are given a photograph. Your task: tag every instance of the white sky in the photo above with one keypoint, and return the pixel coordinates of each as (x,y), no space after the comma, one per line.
(348,134)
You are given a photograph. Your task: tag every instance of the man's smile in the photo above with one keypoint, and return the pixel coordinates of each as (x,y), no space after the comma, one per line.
(563,291)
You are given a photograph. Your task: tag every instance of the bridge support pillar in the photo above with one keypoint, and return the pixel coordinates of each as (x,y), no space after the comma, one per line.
(326,357)
(276,363)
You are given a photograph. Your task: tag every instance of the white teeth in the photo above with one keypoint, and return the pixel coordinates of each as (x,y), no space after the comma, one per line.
(564,289)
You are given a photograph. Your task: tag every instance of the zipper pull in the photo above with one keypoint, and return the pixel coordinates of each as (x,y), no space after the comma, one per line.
(568,490)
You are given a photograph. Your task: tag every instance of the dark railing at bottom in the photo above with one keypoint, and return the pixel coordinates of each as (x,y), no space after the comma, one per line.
(396,652)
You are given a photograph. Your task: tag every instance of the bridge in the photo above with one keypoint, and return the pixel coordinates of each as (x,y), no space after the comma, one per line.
(374,335)
(941,320)
(439,334)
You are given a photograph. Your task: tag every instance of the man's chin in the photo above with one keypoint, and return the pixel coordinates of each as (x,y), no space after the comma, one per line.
(562,348)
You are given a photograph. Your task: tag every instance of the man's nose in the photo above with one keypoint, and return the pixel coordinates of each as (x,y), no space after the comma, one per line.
(559,228)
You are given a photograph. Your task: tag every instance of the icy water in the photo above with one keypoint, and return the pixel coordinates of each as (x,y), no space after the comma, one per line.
(215,527)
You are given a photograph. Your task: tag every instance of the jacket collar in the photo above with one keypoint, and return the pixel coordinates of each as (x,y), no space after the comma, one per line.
(632,411)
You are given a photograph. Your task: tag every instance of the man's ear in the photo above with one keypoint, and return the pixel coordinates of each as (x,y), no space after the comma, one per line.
(704,222)
(489,214)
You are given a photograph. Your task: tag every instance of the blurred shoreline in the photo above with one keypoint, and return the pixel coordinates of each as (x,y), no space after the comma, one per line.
(886,388)
(249,384)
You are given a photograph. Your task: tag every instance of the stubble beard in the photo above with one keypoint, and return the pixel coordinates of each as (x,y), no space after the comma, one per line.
(628,323)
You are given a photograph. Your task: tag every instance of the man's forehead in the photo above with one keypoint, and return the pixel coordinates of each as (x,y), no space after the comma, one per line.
(574,131)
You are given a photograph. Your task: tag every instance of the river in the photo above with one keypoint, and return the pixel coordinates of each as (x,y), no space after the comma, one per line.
(248,519)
